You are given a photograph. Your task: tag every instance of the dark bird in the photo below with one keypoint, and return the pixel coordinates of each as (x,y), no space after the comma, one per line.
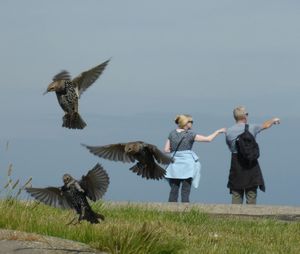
(73,194)
(145,154)
(69,91)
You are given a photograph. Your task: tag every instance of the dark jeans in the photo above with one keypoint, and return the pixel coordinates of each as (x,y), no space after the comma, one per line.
(185,189)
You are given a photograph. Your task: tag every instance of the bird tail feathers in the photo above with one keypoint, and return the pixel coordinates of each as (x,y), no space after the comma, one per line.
(73,121)
(156,172)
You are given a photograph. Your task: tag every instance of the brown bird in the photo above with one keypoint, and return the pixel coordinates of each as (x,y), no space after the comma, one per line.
(73,194)
(145,154)
(69,91)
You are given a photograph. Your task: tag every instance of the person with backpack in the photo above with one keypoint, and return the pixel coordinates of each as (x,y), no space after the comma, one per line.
(245,175)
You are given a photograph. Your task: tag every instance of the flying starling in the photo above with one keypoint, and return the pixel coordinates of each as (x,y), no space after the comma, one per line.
(147,156)
(69,91)
(73,194)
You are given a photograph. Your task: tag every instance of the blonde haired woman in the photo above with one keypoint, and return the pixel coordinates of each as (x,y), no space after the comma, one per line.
(185,170)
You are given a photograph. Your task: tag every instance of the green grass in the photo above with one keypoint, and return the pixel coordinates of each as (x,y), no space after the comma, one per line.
(134,230)
(131,229)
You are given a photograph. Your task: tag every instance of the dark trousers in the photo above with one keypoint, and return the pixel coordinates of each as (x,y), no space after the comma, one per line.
(185,189)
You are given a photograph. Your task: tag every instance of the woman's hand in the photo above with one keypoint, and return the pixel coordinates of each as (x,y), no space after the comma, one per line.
(223,130)
(211,137)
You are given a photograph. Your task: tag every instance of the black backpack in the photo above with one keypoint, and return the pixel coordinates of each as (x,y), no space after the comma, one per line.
(247,146)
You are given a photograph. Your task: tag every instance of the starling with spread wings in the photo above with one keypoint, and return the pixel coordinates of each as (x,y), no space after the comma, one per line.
(73,194)
(147,155)
(69,91)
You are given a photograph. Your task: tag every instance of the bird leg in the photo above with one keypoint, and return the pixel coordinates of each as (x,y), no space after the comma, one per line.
(71,222)
(80,218)
(82,213)
(77,222)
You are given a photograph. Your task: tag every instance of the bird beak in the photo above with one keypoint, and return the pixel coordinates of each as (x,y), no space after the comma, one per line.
(50,88)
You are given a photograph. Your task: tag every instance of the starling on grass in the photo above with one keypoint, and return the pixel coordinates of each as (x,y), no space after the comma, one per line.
(73,194)
(69,91)
(147,155)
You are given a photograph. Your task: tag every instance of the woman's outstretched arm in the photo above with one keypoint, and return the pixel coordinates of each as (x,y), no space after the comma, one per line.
(209,138)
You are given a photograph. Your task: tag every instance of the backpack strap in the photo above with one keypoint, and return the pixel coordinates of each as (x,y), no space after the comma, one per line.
(246,127)
(180,141)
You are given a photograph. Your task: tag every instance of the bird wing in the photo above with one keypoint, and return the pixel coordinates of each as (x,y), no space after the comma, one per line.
(159,155)
(113,152)
(87,78)
(50,196)
(95,183)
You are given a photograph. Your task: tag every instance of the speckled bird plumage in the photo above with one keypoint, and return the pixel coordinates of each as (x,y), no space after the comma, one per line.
(73,194)
(147,156)
(68,92)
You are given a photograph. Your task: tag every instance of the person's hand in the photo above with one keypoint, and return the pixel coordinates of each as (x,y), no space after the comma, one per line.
(276,120)
(223,130)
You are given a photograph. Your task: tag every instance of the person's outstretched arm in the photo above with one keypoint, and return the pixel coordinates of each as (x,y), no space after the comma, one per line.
(267,124)
(201,138)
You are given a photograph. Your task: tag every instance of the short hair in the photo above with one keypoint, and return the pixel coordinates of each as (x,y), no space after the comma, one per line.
(239,113)
(182,120)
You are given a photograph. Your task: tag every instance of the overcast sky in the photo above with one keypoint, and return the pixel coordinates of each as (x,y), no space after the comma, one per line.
(167,57)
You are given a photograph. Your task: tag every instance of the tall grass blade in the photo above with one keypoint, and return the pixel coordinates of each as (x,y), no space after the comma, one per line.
(15,184)
(8,184)
(10,168)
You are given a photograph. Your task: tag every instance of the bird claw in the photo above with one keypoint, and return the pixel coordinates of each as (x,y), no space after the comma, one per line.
(75,223)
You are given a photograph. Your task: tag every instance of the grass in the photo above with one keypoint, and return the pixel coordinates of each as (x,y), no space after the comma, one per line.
(132,229)
(135,230)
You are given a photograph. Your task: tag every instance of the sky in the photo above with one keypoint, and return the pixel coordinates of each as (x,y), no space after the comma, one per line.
(167,57)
